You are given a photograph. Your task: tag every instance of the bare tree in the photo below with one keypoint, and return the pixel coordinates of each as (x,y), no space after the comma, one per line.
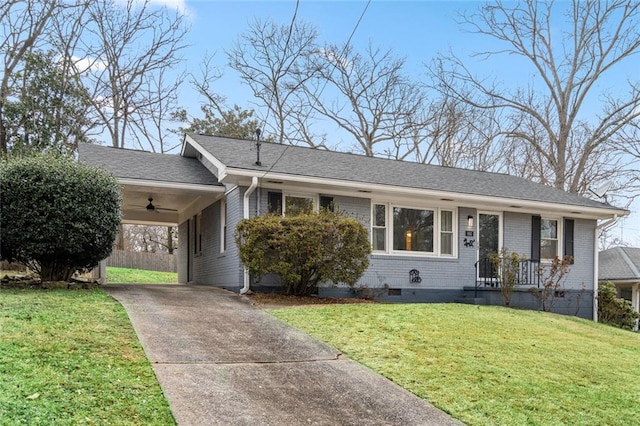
(375,101)
(559,141)
(149,239)
(130,45)
(217,118)
(450,132)
(155,120)
(273,60)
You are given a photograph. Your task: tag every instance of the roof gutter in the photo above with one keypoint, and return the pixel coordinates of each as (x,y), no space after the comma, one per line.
(512,204)
(245,199)
(596,257)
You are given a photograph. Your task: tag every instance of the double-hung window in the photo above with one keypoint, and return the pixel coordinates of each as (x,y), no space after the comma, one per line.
(551,238)
(412,230)
(446,232)
(379,228)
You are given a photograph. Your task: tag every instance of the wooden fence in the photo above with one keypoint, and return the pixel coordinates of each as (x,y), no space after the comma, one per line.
(140,260)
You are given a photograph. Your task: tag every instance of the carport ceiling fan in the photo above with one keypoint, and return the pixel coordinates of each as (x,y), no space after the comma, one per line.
(152,208)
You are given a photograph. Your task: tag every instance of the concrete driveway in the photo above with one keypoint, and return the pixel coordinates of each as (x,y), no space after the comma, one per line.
(221,361)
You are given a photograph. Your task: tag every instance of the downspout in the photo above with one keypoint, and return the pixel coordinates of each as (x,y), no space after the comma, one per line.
(596,256)
(245,199)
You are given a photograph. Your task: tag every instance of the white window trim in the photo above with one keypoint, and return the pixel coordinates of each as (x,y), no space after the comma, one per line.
(560,238)
(223,225)
(386,226)
(389,206)
(453,232)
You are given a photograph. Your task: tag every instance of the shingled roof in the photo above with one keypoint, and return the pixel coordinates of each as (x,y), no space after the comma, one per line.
(619,264)
(302,161)
(143,165)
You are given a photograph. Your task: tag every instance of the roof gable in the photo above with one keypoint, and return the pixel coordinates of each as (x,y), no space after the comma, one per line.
(619,264)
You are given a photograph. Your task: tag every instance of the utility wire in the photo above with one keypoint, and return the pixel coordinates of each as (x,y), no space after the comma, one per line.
(286,47)
(344,49)
(346,45)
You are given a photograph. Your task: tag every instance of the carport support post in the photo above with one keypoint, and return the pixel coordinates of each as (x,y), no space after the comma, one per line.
(635,296)
(99,273)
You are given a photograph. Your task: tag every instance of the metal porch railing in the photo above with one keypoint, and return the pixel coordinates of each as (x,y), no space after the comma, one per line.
(528,273)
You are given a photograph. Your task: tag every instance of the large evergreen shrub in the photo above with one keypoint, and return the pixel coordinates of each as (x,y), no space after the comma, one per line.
(57,216)
(615,310)
(304,250)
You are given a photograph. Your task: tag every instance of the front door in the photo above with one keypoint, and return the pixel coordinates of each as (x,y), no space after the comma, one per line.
(489,241)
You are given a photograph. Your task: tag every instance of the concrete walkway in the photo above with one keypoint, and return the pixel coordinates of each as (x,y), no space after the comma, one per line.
(221,361)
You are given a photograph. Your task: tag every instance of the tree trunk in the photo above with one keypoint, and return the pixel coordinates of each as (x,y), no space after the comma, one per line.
(120,238)
(170,239)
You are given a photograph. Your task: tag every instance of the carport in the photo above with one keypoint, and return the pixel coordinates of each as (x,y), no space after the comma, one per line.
(157,189)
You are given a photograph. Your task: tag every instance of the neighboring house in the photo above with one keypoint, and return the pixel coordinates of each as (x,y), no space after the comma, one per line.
(621,266)
(430,226)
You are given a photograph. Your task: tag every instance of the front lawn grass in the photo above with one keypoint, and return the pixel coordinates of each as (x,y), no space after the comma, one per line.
(71,357)
(139,276)
(490,365)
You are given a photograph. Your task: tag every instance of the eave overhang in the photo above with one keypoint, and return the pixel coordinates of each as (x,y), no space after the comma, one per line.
(242,177)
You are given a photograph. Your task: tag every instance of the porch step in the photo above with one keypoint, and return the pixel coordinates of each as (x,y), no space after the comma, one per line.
(472,300)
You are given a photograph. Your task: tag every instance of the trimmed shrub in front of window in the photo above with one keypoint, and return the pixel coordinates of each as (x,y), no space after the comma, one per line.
(304,250)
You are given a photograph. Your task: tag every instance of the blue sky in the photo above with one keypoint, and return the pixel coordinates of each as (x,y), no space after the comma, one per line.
(416,30)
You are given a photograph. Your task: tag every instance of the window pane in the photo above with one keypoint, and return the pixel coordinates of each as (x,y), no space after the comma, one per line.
(549,228)
(446,221)
(379,239)
(379,215)
(446,242)
(548,249)
(412,229)
(298,205)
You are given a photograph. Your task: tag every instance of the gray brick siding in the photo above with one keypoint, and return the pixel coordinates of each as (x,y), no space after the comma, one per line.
(442,279)
(211,267)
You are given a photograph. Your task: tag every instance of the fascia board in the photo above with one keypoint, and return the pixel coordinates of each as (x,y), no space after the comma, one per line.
(620,280)
(470,200)
(172,185)
(185,145)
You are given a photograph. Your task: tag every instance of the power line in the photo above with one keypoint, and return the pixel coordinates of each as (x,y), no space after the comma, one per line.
(346,45)
(344,49)
(286,47)
(290,34)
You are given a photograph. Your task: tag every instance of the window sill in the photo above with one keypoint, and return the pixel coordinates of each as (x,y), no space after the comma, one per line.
(414,255)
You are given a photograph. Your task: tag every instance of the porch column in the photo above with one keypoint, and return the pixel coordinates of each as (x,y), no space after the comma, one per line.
(635,296)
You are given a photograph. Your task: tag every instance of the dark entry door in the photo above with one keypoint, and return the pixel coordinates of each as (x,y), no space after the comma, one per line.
(489,234)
